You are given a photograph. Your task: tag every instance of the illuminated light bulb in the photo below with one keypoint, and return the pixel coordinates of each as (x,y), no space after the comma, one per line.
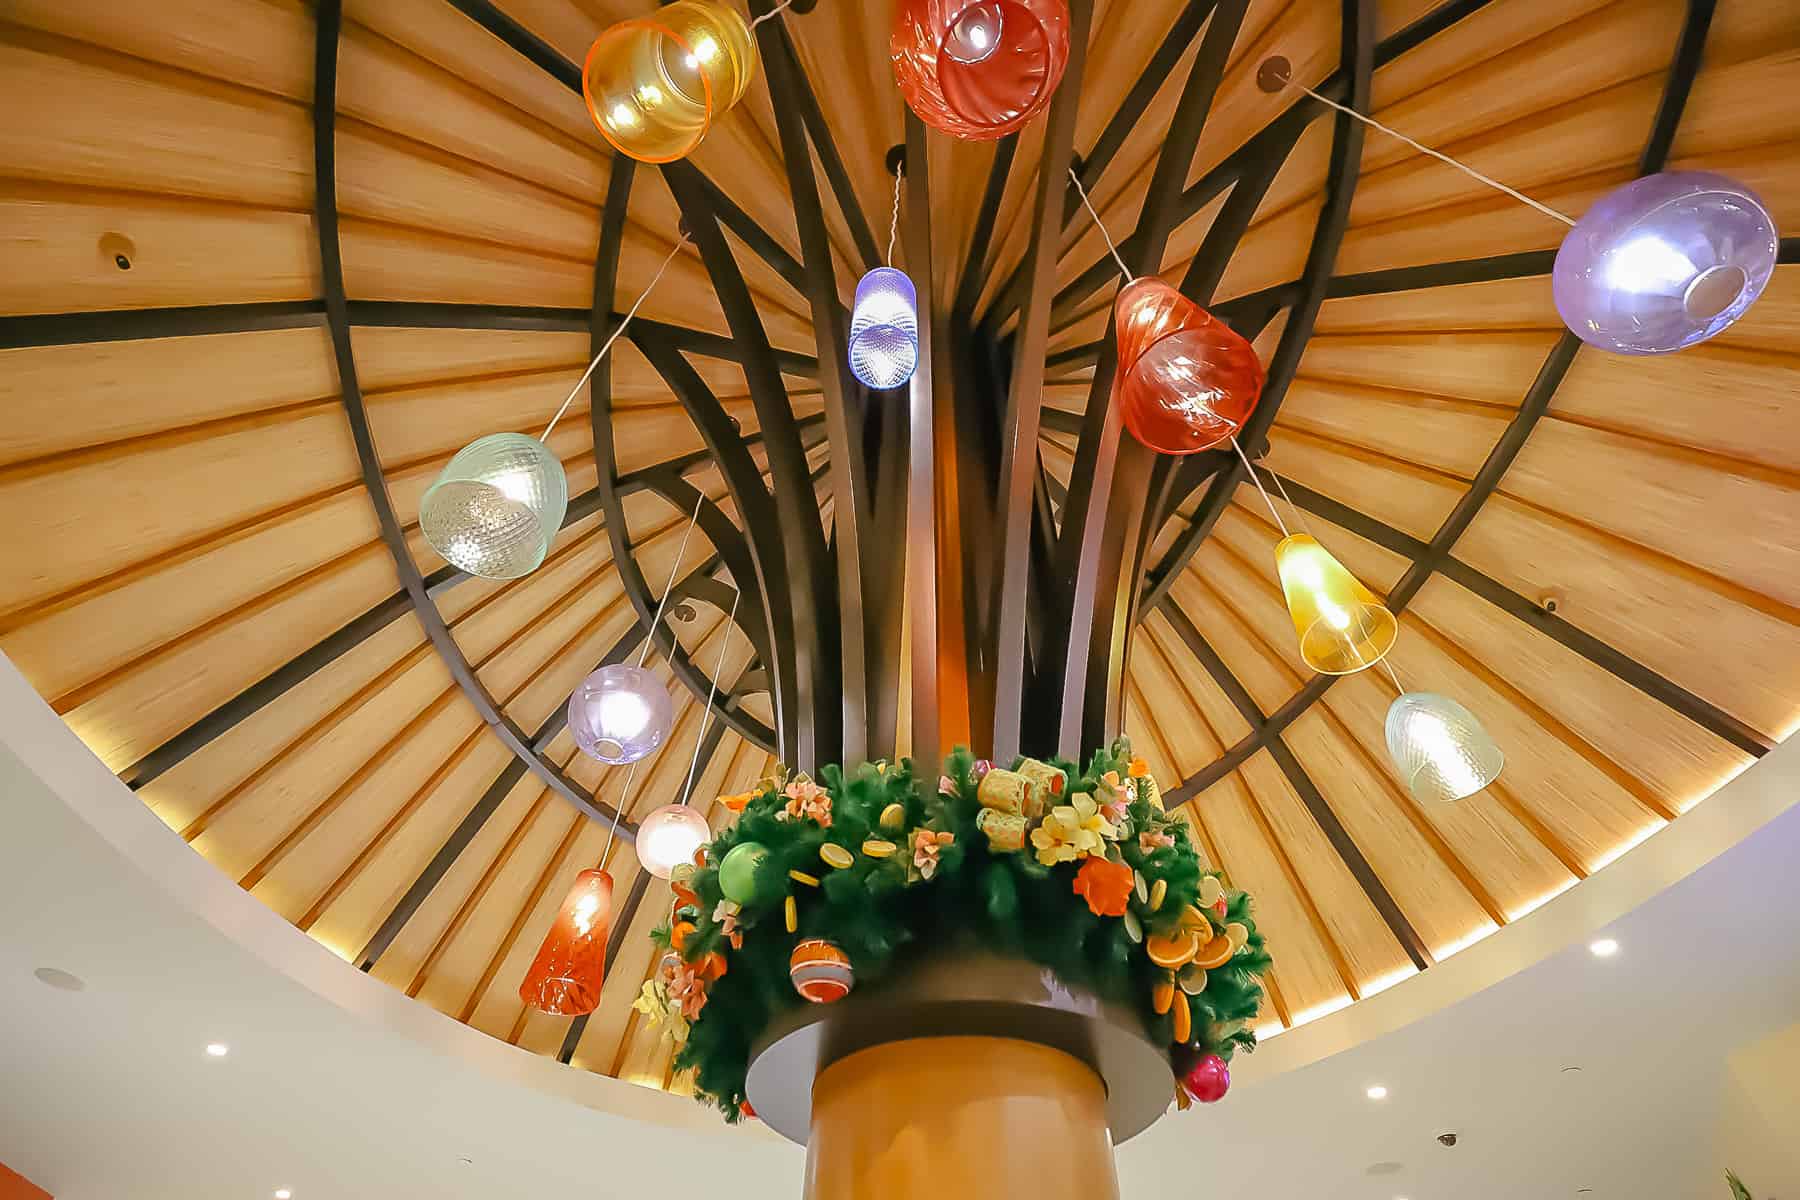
(654,85)
(620,714)
(1439,749)
(1342,626)
(564,979)
(979,69)
(1664,262)
(975,34)
(496,506)
(884,329)
(1186,380)
(669,837)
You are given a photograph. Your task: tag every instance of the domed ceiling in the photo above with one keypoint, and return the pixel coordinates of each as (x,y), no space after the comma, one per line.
(227,386)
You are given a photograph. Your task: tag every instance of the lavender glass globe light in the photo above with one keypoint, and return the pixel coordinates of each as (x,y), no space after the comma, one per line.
(1664,262)
(496,506)
(884,329)
(619,714)
(669,836)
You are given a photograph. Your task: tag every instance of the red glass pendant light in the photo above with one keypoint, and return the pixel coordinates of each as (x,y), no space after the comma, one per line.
(1186,380)
(979,69)
(564,979)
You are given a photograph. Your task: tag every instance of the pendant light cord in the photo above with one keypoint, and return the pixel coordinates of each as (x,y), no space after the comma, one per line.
(894,226)
(649,640)
(779,8)
(1292,507)
(687,791)
(589,373)
(1471,172)
(1100,225)
(1398,686)
(1257,480)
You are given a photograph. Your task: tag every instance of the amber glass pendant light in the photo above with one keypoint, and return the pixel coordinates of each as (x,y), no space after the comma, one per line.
(655,84)
(1343,628)
(565,977)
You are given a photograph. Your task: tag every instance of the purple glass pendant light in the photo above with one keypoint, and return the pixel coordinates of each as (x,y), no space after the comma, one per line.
(1665,262)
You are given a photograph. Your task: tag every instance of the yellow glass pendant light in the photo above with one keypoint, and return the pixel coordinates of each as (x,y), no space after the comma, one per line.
(1342,626)
(655,84)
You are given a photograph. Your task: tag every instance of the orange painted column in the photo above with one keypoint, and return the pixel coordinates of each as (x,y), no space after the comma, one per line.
(14,1186)
(959,1118)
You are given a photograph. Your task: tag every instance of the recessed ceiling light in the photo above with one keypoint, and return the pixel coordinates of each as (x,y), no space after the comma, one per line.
(62,981)
(1604,948)
(1378,1092)
(217,1049)
(283,1194)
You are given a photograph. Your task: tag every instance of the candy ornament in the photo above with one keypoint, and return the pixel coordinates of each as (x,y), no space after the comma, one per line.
(1208,1079)
(821,972)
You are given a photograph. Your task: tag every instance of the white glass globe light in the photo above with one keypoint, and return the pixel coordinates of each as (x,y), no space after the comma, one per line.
(496,506)
(669,837)
(1440,750)
(620,713)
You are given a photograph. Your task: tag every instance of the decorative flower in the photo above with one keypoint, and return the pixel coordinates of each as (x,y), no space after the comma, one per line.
(1071,831)
(946,786)
(653,1002)
(1113,797)
(687,989)
(1105,885)
(1139,769)
(738,802)
(808,799)
(982,767)
(926,845)
(1152,840)
(725,915)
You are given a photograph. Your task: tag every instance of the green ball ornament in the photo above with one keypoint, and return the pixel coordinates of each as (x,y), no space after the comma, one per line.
(744,875)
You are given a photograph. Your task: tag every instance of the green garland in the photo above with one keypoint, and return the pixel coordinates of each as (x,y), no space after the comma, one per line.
(731,971)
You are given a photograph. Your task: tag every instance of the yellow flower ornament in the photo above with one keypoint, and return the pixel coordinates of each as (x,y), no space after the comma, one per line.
(1071,831)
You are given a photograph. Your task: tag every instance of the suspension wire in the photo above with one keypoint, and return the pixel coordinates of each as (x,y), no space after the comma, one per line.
(656,621)
(1471,172)
(1398,686)
(589,373)
(1257,480)
(1101,225)
(687,792)
(894,227)
(619,808)
(1292,507)
(779,8)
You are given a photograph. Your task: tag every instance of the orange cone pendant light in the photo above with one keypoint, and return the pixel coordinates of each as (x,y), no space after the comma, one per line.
(1343,628)
(564,979)
(1186,380)
(979,69)
(655,84)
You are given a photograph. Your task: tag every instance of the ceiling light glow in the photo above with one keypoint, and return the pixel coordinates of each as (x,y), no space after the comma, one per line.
(217,1049)
(1603,948)
(1377,1093)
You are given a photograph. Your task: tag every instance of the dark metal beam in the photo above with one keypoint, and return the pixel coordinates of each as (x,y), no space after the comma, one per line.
(329,25)
(843,644)
(809,590)
(968,291)
(134,324)
(1015,497)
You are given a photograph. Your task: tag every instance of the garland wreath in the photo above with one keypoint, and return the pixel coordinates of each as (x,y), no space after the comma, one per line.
(821,884)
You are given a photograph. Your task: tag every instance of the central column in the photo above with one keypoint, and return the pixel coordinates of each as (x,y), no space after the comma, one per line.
(959,1118)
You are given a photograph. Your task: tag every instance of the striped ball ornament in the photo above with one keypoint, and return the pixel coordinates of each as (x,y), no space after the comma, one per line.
(820,971)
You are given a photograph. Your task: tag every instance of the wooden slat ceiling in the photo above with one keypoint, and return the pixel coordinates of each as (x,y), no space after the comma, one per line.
(187,513)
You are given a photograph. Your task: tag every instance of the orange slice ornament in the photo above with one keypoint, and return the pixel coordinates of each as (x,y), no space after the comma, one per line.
(1173,950)
(1215,954)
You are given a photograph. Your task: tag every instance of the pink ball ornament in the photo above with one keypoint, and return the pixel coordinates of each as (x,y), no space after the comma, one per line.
(1208,1080)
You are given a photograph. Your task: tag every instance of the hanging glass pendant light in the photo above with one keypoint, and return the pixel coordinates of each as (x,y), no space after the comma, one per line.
(669,837)
(1664,262)
(565,977)
(1187,380)
(620,713)
(655,84)
(1343,628)
(979,69)
(884,329)
(1440,750)
(496,506)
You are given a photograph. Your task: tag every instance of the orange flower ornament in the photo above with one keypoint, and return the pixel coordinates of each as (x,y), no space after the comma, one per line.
(1105,885)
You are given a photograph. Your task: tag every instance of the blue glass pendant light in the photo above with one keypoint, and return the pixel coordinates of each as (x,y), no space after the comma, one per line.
(884,329)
